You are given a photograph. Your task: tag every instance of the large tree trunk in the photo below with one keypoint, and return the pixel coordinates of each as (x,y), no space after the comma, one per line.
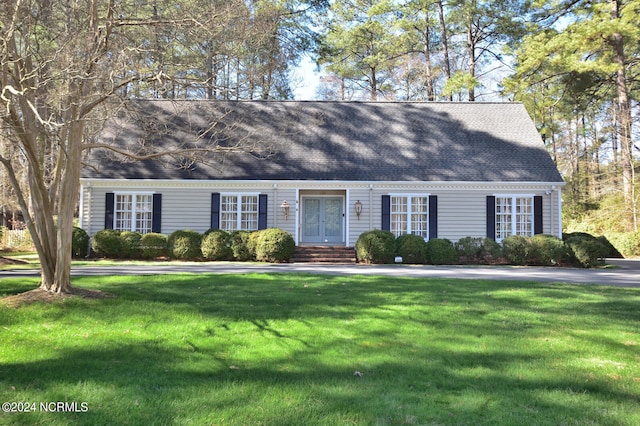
(445,43)
(431,96)
(624,118)
(69,188)
(373,85)
(471,51)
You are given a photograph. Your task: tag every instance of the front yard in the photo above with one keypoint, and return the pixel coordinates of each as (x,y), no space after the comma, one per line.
(292,349)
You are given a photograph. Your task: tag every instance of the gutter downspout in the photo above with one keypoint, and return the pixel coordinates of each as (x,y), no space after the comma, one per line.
(347,216)
(275,205)
(81,209)
(559,192)
(370,206)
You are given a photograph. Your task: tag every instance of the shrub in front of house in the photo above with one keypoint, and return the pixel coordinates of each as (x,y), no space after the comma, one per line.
(376,246)
(107,243)
(547,250)
(474,250)
(469,249)
(153,245)
(441,251)
(588,251)
(240,245)
(516,249)
(611,250)
(412,248)
(79,242)
(274,245)
(252,243)
(216,245)
(491,250)
(130,243)
(184,245)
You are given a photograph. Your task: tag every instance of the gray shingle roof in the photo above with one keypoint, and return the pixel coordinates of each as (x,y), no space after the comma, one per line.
(359,141)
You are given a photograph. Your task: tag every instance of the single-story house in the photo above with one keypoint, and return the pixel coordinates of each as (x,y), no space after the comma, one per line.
(324,171)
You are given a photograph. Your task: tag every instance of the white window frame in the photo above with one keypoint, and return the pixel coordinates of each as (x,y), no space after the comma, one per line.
(242,221)
(409,214)
(134,212)
(515,220)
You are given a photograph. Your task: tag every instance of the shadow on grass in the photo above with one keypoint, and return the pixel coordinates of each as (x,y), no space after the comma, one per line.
(144,383)
(255,297)
(446,375)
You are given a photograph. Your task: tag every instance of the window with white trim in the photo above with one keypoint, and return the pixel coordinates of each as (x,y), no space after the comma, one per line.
(409,215)
(133,212)
(514,216)
(239,212)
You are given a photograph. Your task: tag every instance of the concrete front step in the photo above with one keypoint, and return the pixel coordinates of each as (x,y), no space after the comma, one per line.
(324,254)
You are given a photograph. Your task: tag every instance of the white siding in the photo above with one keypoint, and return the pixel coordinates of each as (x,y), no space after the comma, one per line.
(359,225)
(185,209)
(275,217)
(187,204)
(462,214)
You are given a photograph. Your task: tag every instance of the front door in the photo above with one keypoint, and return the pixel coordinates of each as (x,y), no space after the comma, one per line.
(322,220)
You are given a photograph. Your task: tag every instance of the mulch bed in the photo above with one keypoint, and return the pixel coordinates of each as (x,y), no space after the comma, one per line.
(40,295)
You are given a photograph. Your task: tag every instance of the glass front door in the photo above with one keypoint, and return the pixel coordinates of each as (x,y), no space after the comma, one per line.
(322,220)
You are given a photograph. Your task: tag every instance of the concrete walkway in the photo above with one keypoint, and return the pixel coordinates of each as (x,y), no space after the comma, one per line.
(625,273)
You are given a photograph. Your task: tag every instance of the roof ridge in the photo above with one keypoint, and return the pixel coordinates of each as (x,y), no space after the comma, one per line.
(400,102)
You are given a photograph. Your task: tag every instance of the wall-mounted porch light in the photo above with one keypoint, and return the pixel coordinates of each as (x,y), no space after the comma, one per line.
(285,209)
(358,207)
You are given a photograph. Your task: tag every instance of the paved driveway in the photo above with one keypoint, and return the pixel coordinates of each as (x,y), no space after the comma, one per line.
(626,272)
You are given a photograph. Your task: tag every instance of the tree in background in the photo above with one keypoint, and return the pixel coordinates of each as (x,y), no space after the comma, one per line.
(419,49)
(361,44)
(66,67)
(577,70)
(236,49)
(483,28)
(422,66)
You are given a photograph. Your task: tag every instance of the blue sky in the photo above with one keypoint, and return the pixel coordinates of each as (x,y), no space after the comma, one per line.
(306,80)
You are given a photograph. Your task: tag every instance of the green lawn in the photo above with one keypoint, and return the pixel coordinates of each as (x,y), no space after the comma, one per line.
(279,349)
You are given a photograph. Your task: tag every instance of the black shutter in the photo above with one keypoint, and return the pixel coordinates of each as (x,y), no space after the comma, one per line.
(109,206)
(386,212)
(491,217)
(537,214)
(433,217)
(215,210)
(156,215)
(262,211)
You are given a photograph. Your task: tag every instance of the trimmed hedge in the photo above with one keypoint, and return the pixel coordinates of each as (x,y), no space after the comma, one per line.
(130,243)
(107,243)
(587,250)
(376,246)
(240,246)
(412,248)
(252,243)
(79,242)
(547,250)
(474,250)
(516,249)
(441,251)
(274,245)
(184,245)
(216,245)
(153,245)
